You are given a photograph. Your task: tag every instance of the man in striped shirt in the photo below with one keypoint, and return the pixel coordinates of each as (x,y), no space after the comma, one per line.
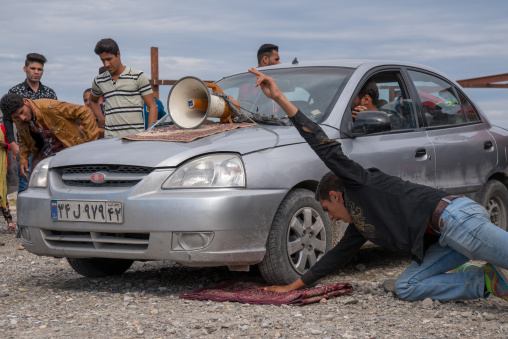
(125,90)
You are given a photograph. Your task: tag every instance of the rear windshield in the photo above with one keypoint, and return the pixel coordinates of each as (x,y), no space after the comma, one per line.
(314,90)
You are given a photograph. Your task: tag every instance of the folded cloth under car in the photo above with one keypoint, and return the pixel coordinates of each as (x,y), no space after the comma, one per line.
(250,293)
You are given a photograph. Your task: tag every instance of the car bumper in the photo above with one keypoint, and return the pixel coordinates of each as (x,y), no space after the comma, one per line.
(196,227)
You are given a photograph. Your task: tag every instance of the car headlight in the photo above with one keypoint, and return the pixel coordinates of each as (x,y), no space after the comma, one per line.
(216,170)
(39,177)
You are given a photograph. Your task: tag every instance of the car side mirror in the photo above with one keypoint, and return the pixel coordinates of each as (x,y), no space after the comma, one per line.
(368,122)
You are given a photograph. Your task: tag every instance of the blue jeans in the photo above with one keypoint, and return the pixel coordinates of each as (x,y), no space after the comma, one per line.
(467,234)
(23,182)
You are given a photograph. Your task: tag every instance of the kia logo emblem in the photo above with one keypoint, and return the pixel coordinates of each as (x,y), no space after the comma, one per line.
(98,178)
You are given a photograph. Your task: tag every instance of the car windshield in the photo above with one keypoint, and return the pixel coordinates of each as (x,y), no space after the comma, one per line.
(314,90)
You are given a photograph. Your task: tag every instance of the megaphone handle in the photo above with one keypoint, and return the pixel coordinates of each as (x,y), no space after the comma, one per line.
(228,119)
(215,88)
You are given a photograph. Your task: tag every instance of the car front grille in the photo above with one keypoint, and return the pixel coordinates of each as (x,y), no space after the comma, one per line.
(119,176)
(100,241)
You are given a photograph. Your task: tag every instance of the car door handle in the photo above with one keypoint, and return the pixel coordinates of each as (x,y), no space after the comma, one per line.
(420,152)
(487,144)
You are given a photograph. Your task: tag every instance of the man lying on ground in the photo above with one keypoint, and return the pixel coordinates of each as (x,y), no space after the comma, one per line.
(441,231)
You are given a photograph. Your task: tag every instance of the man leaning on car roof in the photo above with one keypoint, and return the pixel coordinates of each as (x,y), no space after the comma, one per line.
(47,126)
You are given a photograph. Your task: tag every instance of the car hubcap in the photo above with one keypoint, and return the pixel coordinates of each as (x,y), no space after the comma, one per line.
(496,212)
(306,239)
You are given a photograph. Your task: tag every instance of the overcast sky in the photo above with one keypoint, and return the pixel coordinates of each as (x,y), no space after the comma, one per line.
(211,39)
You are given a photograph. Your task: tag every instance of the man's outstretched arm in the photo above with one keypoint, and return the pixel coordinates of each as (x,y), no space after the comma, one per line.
(331,153)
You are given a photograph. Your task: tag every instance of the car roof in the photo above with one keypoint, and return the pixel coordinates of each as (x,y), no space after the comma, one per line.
(349,63)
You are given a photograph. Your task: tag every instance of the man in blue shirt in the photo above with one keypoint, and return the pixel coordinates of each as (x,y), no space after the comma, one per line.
(160,112)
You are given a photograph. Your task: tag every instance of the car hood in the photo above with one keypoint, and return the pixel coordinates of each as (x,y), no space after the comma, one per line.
(114,151)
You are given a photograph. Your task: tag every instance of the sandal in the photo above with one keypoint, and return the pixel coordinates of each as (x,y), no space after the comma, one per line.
(11,226)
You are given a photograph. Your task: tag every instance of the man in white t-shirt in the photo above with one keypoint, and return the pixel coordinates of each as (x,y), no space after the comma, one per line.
(125,90)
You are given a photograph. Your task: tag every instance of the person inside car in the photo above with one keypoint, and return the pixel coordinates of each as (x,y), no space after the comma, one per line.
(441,231)
(366,99)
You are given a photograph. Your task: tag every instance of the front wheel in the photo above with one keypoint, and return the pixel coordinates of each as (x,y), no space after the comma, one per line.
(99,267)
(494,197)
(300,235)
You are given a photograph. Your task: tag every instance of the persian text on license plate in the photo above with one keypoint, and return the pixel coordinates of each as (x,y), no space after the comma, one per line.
(89,211)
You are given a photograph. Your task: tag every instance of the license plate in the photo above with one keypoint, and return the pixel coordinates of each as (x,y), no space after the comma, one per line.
(89,211)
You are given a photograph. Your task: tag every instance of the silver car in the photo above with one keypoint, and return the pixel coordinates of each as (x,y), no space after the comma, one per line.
(246,196)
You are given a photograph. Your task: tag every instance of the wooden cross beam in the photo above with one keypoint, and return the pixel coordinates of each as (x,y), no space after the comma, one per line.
(485,82)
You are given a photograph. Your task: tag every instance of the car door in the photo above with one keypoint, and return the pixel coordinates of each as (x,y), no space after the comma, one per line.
(405,151)
(465,150)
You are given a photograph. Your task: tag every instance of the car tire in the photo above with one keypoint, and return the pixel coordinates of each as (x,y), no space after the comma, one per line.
(99,267)
(300,235)
(494,197)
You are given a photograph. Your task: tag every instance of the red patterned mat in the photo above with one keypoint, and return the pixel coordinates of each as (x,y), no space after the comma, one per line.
(250,293)
(177,134)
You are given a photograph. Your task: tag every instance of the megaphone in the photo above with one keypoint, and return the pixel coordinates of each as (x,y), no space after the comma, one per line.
(190,103)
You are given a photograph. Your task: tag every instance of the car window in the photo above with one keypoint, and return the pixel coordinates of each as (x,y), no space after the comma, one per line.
(468,109)
(394,100)
(313,90)
(440,103)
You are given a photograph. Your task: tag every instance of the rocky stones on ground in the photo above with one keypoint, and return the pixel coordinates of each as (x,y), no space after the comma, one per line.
(43,297)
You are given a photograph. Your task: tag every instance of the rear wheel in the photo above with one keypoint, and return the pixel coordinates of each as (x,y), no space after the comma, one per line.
(494,197)
(300,235)
(99,267)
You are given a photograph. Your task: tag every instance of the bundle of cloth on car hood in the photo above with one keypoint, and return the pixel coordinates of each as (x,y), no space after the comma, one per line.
(251,293)
(176,134)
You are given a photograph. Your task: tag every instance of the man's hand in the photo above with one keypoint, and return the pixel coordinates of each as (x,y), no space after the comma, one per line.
(267,84)
(15,150)
(272,91)
(278,289)
(295,285)
(23,167)
(358,109)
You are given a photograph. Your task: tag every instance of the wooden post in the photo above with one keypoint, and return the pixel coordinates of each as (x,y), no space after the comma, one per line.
(154,51)
(155,81)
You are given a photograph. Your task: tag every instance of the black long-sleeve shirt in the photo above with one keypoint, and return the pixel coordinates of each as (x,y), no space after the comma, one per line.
(385,209)
(24,89)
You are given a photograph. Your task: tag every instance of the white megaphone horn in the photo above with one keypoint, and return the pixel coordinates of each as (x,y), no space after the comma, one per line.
(190,103)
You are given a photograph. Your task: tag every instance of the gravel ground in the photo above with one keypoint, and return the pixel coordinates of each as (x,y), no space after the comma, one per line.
(42,297)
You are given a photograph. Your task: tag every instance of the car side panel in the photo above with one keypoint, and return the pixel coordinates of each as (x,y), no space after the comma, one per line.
(396,154)
(464,159)
(283,167)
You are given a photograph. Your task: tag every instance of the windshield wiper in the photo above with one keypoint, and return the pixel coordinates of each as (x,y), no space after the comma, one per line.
(164,123)
(264,119)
